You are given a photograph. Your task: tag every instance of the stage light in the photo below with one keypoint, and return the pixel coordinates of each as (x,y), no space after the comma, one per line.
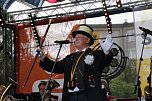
(106,14)
(119,4)
(34,29)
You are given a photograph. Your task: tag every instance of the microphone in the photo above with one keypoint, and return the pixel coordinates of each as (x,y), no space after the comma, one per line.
(146,30)
(62,42)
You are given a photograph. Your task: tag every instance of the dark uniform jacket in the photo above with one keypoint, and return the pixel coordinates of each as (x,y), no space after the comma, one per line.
(93,90)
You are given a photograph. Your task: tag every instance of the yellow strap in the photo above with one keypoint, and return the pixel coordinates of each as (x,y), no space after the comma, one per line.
(74,67)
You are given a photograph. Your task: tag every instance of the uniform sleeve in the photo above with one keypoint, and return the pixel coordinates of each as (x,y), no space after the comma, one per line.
(108,58)
(102,59)
(48,65)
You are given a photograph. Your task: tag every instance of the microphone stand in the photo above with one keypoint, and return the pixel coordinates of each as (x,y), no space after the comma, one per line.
(50,77)
(149,80)
(137,82)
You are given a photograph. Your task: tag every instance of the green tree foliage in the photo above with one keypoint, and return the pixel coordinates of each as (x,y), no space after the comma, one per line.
(123,85)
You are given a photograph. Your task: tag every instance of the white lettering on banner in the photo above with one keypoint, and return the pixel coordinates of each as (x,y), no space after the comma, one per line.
(28,49)
(25,45)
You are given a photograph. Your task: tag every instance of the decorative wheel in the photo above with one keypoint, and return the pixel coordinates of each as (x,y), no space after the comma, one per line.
(117,65)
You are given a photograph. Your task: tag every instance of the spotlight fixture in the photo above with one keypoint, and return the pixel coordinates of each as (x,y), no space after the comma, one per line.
(119,4)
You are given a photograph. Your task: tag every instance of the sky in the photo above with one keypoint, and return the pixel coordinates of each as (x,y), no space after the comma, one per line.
(115,19)
(16,6)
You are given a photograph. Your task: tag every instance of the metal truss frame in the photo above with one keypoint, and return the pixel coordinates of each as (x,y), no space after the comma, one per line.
(89,8)
(7,68)
(6,49)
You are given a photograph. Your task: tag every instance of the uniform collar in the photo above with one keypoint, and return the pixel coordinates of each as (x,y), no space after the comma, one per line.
(82,50)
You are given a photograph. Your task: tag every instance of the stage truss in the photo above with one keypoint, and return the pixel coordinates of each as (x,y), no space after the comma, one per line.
(88,8)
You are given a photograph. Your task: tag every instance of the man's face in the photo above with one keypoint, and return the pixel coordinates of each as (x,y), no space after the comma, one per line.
(81,41)
(42,88)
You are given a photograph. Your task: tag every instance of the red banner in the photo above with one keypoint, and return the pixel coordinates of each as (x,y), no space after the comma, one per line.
(25,56)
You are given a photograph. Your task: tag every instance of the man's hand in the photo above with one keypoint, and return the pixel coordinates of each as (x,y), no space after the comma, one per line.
(40,53)
(107,44)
